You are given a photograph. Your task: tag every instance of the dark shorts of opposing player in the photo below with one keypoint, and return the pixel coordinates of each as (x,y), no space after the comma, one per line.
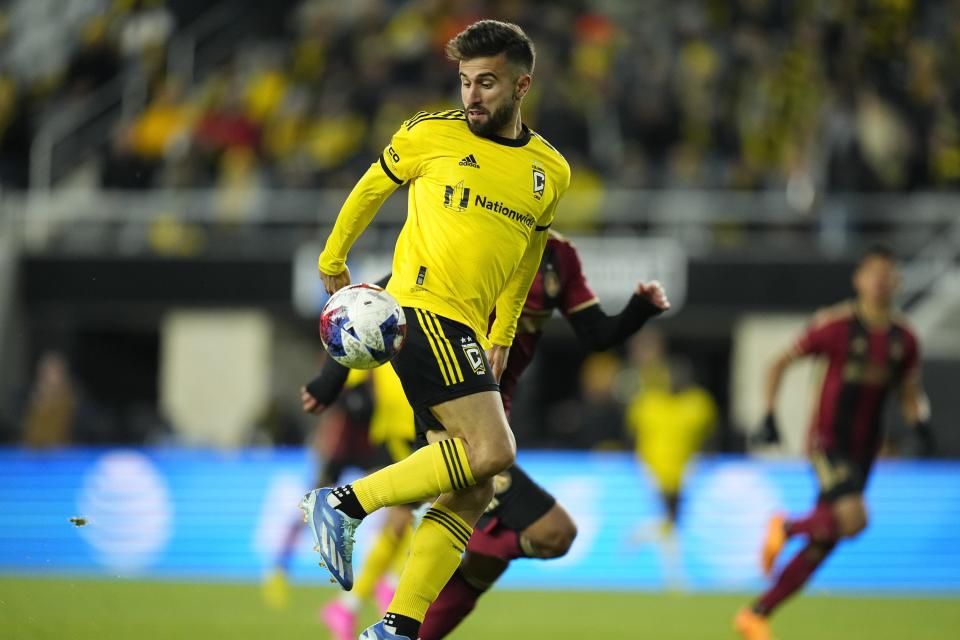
(839,475)
(518,501)
(440,361)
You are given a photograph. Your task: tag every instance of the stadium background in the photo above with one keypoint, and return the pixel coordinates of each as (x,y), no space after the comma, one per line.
(168,171)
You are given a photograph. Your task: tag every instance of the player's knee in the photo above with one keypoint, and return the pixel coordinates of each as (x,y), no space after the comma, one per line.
(490,458)
(857,524)
(478,497)
(551,536)
(556,542)
(851,518)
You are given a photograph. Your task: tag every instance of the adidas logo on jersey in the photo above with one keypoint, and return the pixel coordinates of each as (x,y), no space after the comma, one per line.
(469,161)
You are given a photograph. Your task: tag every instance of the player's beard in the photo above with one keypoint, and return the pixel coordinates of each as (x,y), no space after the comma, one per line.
(495,121)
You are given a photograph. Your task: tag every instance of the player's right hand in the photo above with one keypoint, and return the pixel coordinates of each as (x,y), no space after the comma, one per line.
(310,404)
(769,432)
(497,356)
(654,293)
(332,284)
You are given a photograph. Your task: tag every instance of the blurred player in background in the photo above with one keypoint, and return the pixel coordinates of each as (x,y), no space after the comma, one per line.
(483,192)
(869,351)
(670,418)
(525,521)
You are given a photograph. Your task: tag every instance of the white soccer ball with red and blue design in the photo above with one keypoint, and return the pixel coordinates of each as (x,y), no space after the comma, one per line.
(362,326)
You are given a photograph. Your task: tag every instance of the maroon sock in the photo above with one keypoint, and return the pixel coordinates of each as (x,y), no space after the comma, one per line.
(456,600)
(496,541)
(819,525)
(793,576)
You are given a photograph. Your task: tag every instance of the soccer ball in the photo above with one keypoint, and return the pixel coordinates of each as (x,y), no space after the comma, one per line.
(362,326)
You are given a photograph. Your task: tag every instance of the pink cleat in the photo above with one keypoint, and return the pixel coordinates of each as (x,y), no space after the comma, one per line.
(383,593)
(340,620)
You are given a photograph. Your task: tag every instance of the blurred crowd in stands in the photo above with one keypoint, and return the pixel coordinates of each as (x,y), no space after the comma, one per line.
(745,94)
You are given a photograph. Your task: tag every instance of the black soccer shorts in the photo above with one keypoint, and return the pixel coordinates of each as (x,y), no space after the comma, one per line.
(839,475)
(440,360)
(518,501)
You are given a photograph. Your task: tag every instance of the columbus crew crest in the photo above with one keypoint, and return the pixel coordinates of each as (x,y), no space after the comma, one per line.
(474,356)
(539,182)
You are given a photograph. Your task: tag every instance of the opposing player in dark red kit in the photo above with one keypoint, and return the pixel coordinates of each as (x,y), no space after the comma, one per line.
(524,519)
(870,351)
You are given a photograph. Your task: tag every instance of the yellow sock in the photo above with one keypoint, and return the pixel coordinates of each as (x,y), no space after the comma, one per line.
(403,550)
(426,473)
(438,544)
(378,560)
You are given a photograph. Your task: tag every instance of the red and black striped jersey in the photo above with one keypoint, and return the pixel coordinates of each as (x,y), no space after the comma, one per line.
(559,285)
(863,365)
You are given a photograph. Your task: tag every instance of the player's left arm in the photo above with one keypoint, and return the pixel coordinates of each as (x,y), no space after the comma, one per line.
(510,303)
(599,331)
(322,391)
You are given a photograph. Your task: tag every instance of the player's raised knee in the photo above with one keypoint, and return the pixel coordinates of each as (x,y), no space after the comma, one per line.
(856,524)
(483,493)
(489,458)
(851,517)
(557,542)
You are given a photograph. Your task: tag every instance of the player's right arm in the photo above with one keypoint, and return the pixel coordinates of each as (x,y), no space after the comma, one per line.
(398,163)
(814,340)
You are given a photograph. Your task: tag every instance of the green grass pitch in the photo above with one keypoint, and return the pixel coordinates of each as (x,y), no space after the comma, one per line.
(82,609)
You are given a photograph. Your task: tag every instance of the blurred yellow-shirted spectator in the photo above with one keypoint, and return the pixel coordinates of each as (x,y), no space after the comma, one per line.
(166,121)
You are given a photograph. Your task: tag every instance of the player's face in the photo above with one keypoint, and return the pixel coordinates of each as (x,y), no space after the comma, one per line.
(491,93)
(876,280)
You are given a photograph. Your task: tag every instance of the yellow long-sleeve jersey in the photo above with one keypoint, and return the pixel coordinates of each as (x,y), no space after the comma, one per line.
(477,214)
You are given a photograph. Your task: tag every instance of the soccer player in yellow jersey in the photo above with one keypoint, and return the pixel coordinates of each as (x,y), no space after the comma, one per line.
(483,192)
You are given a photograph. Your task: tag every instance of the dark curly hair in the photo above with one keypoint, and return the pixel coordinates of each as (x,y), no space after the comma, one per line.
(490,38)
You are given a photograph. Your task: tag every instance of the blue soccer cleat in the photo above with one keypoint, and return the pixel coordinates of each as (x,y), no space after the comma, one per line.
(333,533)
(381,631)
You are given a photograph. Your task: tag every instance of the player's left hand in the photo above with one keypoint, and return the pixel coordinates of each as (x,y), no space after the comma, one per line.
(497,356)
(654,293)
(332,284)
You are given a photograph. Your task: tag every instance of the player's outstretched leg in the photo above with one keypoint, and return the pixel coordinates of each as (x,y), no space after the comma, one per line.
(832,519)
(818,525)
(752,623)
(335,513)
